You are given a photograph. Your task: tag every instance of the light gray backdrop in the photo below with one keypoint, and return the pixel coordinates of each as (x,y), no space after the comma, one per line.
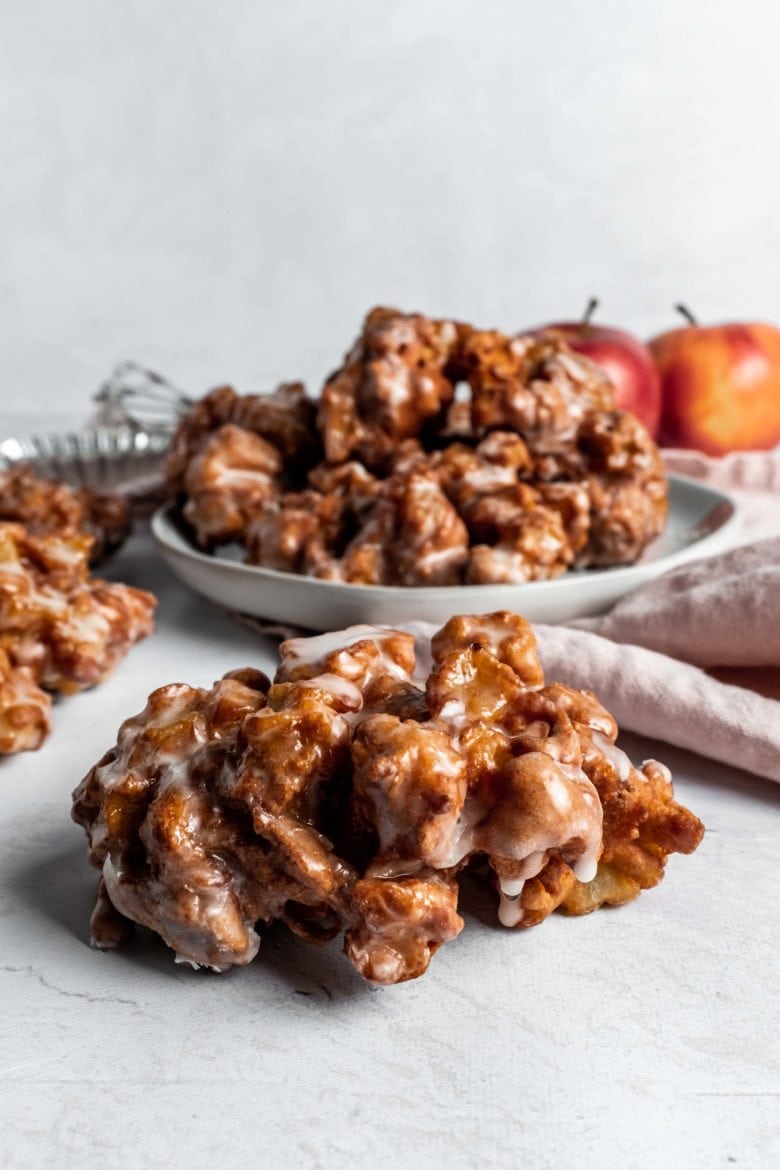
(221,188)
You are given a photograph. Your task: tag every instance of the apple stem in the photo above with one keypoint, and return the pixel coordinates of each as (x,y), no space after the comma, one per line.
(590,309)
(687,314)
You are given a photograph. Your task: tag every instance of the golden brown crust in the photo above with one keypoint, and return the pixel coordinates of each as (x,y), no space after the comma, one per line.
(515,537)
(25,710)
(60,629)
(628,488)
(534,386)
(285,419)
(394,381)
(51,508)
(349,794)
(232,475)
(401,924)
(509,640)
(413,536)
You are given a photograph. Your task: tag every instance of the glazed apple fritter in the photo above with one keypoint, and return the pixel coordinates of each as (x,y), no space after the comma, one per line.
(351,794)
(61,630)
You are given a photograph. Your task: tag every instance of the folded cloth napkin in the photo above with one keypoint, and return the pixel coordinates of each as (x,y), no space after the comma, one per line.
(667,699)
(752,478)
(653,660)
(721,611)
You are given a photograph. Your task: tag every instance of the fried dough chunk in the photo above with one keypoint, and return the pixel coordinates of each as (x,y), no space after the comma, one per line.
(347,796)
(307,531)
(294,533)
(408,533)
(535,386)
(231,454)
(401,925)
(25,710)
(497,464)
(376,662)
(60,629)
(285,419)
(629,492)
(231,476)
(509,639)
(414,536)
(396,379)
(70,629)
(515,537)
(51,508)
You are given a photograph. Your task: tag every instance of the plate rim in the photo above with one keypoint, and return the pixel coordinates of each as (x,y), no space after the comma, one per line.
(162,528)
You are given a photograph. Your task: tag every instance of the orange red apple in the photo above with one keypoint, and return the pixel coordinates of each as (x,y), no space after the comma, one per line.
(721,386)
(625,360)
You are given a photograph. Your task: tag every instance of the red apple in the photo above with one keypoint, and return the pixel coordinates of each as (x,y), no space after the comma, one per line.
(721,386)
(624,359)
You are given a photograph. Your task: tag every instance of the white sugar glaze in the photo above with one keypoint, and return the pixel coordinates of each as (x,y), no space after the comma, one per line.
(441,556)
(489,477)
(312,651)
(513,563)
(395,381)
(226,476)
(574,815)
(340,688)
(613,755)
(650,766)
(67,554)
(308,651)
(510,912)
(89,627)
(464,838)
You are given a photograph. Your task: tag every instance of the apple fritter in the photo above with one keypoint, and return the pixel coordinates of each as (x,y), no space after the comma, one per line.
(351,794)
(61,630)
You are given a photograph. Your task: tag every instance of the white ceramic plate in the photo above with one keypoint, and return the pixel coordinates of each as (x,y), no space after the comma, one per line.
(701,522)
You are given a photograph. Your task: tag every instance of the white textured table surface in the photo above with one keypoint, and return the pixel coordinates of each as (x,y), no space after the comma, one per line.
(639,1037)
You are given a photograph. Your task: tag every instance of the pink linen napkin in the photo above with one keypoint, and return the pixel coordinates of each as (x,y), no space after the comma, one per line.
(669,698)
(721,611)
(693,658)
(752,478)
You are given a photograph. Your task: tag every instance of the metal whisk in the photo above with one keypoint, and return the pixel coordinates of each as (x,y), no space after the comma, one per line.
(140,399)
